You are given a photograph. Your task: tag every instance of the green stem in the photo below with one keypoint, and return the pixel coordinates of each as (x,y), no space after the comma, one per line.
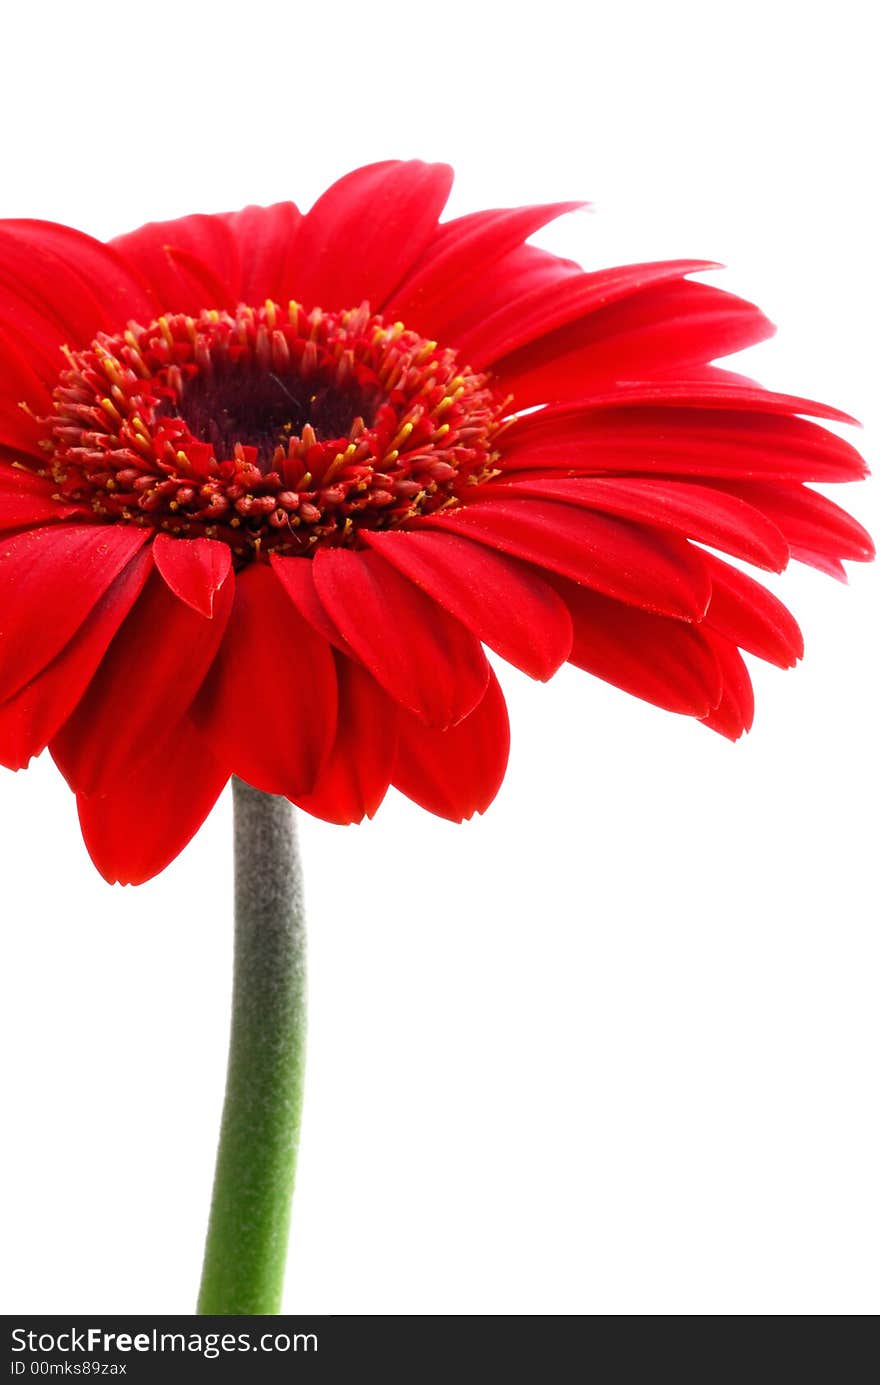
(246,1245)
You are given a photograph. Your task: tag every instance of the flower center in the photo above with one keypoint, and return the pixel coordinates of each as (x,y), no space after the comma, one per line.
(269,428)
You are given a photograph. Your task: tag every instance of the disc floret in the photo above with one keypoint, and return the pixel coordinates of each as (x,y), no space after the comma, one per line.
(269,428)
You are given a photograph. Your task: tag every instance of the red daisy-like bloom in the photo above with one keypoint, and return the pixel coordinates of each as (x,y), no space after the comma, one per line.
(269,482)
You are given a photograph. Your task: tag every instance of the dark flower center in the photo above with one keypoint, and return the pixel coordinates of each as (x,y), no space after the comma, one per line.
(269,428)
(263,410)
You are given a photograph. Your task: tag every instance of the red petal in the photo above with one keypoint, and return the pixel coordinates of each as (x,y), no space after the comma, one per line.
(194,569)
(203,285)
(49,581)
(714,389)
(424,658)
(504,603)
(463,251)
(37,335)
(458,772)
(26,500)
(524,273)
(135,831)
(30,719)
(75,280)
(811,523)
(145,684)
(525,318)
(680,441)
(57,287)
(821,561)
(265,237)
(641,566)
(269,703)
(697,512)
(736,710)
(746,614)
(366,231)
(173,257)
(662,661)
(297,577)
(660,330)
(355,778)
(21,385)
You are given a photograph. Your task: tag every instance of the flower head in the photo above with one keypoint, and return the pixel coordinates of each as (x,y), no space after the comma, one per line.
(269,483)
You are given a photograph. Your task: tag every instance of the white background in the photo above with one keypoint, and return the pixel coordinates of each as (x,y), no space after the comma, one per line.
(613,1048)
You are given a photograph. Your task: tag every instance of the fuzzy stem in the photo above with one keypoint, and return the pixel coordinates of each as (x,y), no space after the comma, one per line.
(246,1246)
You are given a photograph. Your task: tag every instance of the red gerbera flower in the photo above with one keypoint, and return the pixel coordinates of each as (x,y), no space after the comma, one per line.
(270,481)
